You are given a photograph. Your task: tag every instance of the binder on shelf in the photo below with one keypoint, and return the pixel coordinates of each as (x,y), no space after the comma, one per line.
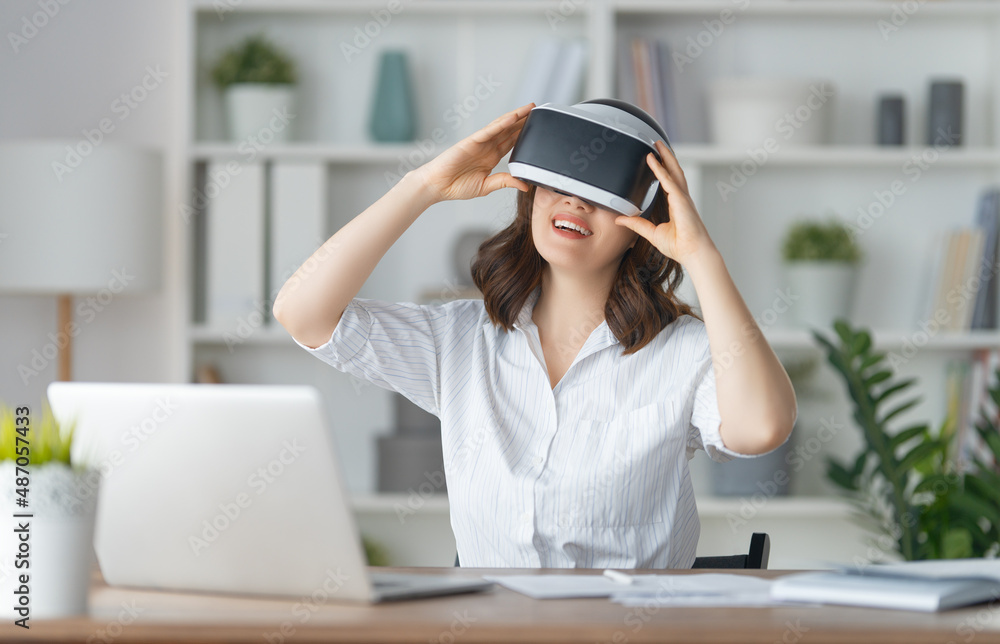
(297,219)
(235,244)
(568,80)
(554,73)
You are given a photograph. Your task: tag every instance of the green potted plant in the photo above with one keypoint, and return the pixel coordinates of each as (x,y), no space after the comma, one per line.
(258,81)
(50,505)
(905,481)
(820,260)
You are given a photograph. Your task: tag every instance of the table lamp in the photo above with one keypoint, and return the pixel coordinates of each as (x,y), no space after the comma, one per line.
(79,219)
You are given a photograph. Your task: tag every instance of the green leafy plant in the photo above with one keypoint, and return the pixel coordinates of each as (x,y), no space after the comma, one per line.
(817,241)
(905,479)
(375,552)
(47,441)
(255,60)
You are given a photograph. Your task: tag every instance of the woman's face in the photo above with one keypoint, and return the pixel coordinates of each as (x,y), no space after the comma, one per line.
(571,233)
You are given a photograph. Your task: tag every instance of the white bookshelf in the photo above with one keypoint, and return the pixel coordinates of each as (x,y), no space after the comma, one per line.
(453,42)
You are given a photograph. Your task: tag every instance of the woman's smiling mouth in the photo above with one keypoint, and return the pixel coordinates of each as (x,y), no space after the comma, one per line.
(571,227)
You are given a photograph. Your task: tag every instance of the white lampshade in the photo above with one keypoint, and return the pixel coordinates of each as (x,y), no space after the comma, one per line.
(76,230)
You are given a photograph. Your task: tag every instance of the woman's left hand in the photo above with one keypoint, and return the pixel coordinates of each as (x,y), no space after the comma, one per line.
(684,236)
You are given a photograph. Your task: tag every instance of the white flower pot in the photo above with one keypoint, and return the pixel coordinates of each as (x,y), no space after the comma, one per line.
(263,111)
(821,291)
(746,112)
(57,543)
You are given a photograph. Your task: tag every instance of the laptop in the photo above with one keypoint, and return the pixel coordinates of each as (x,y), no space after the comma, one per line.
(225,488)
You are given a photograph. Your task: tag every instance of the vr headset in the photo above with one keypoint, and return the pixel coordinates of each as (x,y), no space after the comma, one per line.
(595,150)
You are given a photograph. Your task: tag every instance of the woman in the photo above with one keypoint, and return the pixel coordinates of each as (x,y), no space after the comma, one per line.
(573,396)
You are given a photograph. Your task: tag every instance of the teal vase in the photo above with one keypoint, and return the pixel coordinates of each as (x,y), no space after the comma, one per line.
(392,117)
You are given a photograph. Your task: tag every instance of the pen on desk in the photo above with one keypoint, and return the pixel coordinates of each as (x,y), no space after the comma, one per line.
(618,577)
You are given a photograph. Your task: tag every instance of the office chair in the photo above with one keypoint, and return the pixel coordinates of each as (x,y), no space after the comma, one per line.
(760,551)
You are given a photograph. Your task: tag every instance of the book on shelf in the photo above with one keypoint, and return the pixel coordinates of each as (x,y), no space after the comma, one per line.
(646,78)
(554,73)
(985,314)
(956,278)
(967,384)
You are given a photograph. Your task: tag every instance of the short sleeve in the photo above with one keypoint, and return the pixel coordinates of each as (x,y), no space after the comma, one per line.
(705,418)
(392,345)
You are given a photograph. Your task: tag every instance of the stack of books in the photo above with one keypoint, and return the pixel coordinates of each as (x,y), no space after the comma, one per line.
(646,78)
(965,283)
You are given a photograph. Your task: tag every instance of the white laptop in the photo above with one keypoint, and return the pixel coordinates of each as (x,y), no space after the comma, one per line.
(225,488)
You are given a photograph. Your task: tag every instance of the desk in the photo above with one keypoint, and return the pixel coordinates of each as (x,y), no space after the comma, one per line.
(496,616)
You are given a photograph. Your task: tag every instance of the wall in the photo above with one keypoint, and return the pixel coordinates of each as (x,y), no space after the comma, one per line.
(63,66)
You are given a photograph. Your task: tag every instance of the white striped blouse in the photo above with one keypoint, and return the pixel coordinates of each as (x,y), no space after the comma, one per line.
(592,473)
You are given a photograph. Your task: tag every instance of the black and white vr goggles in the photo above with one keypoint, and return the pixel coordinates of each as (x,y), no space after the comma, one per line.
(595,150)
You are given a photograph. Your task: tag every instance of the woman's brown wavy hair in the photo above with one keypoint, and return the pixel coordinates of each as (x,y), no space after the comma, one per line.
(642,300)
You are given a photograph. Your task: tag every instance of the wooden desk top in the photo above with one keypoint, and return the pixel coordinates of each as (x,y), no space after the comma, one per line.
(128,616)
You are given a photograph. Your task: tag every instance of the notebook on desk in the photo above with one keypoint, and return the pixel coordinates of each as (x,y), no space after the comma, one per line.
(225,488)
(927,586)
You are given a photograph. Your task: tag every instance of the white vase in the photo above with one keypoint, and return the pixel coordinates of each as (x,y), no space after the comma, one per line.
(821,292)
(747,111)
(261,112)
(58,541)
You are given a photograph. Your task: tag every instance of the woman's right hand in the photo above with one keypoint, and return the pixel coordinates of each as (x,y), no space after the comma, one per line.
(463,170)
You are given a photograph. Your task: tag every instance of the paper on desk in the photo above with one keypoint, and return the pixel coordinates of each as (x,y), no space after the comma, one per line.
(709,589)
(565,586)
(684,589)
(933,569)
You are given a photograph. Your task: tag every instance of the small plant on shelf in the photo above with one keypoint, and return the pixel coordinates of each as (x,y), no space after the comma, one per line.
(813,240)
(258,81)
(906,479)
(821,266)
(255,60)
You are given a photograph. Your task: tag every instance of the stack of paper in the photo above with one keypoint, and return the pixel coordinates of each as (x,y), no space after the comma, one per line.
(920,585)
(709,589)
